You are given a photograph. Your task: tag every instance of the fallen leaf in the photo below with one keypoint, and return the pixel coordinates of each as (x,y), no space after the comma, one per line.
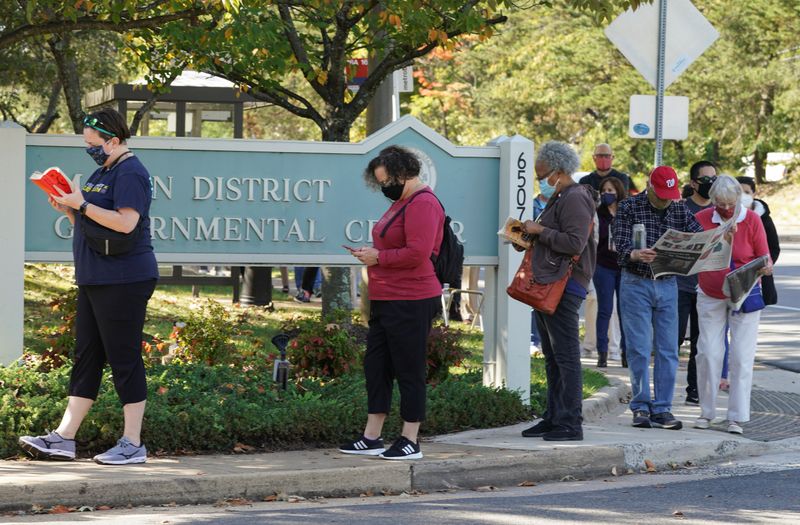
(295,499)
(614,471)
(367,494)
(678,514)
(85,508)
(271,497)
(238,502)
(58,509)
(241,448)
(486,488)
(651,467)
(527,484)
(102,507)
(568,478)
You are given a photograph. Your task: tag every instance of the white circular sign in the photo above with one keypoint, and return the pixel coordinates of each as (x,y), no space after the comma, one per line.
(427,172)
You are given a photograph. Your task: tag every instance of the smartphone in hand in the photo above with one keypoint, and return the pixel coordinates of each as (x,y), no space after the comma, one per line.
(349,248)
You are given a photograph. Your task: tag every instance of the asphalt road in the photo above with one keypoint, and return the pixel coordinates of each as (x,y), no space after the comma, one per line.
(758,490)
(779,332)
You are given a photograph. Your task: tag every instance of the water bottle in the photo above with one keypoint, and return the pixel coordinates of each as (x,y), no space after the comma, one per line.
(639,237)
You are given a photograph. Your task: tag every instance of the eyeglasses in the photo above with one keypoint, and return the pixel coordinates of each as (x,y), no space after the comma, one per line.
(95,123)
(706,180)
(547,175)
(603,155)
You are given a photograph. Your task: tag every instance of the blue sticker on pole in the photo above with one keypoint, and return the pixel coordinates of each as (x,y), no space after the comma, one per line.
(641,129)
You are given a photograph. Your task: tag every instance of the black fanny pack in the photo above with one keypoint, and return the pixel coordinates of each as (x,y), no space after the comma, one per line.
(106,241)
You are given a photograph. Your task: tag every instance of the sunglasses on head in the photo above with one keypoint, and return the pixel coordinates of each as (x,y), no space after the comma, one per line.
(94,123)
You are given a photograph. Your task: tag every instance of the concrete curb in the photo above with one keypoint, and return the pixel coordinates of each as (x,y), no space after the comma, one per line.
(606,401)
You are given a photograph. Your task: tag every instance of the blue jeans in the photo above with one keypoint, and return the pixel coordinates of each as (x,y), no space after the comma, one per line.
(606,283)
(650,321)
(535,339)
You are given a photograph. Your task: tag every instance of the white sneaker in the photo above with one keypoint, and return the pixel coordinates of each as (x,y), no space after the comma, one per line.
(615,356)
(702,423)
(734,428)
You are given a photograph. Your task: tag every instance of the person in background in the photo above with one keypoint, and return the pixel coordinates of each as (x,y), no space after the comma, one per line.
(650,305)
(607,272)
(603,160)
(113,291)
(405,296)
(714,313)
(562,232)
(760,207)
(702,175)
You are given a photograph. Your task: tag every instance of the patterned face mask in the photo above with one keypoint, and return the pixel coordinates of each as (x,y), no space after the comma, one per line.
(98,153)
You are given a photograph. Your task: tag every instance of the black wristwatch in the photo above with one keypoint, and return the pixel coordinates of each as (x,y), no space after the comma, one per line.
(83,207)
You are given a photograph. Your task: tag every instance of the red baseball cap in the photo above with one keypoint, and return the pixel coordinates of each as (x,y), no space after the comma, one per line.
(665,183)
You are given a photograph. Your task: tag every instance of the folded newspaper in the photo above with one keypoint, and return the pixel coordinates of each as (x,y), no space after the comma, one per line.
(682,253)
(513,231)
(741,281)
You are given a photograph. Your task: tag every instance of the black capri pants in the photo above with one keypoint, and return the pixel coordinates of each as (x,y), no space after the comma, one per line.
(397,344)
(109,323)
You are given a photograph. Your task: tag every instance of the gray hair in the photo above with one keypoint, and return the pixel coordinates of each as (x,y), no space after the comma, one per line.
(559,156)
(725,188)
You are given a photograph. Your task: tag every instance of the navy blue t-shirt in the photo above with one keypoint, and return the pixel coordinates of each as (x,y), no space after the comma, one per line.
(125,185)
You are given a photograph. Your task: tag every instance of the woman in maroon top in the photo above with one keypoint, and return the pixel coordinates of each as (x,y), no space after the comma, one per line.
(404,298)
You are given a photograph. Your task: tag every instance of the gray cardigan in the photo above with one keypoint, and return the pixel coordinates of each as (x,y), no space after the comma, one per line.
(567,220)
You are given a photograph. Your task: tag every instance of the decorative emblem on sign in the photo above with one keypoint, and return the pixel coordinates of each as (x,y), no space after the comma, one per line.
(427,172)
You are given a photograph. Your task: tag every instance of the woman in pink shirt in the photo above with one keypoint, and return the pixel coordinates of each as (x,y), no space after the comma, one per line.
(713,309)
(404,298)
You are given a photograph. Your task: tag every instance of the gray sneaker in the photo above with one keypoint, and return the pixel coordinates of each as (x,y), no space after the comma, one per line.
(123,453)
(51,446)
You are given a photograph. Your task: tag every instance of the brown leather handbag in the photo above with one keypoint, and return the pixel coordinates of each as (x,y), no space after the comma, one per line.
(541,297)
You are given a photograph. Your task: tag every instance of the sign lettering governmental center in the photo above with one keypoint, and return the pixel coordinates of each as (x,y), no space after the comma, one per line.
(268,202)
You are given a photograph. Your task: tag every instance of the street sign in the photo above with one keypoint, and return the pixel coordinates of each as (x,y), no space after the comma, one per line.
(404,80)
(356,72)
(642,123)
(635,34)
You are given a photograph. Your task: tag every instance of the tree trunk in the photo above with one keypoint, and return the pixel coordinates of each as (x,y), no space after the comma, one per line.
(336,282)
(46,119)
(68,76)
(760,165)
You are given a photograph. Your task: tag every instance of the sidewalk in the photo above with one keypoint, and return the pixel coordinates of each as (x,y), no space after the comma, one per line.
(471,459)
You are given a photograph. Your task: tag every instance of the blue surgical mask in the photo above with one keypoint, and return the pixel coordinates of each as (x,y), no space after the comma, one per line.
(608,198)
(98,154)
(545,188)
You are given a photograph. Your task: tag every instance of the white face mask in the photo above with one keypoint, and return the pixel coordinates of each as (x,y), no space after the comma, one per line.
(747,200)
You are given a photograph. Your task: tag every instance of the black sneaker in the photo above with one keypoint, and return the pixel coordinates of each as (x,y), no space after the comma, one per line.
(692,399)
(563,434)
(538,430)
(665,420)
(602,360)
(403,448)
(363,447)
(641,419)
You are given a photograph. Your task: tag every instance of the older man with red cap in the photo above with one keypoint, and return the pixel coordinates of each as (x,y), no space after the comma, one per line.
(650,305)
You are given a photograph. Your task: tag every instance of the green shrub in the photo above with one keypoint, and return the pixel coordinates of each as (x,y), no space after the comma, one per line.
(322,348)
(61,337)
(444,350)
(207,336)
(197,407)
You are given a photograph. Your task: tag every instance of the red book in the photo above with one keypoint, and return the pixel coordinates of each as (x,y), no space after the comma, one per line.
(51,179)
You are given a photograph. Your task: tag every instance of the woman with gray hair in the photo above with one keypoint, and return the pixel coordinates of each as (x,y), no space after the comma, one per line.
(561,232)
(749,241)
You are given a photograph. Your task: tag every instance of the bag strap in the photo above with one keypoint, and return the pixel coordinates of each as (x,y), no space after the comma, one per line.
(403,209)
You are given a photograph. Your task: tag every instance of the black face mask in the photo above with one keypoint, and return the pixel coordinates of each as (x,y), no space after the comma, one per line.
(394,191)
(704,189)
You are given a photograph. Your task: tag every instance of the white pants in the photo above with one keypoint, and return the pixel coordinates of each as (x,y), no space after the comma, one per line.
(712,314)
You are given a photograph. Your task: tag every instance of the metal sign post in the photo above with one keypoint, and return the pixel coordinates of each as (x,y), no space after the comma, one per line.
(662,43)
